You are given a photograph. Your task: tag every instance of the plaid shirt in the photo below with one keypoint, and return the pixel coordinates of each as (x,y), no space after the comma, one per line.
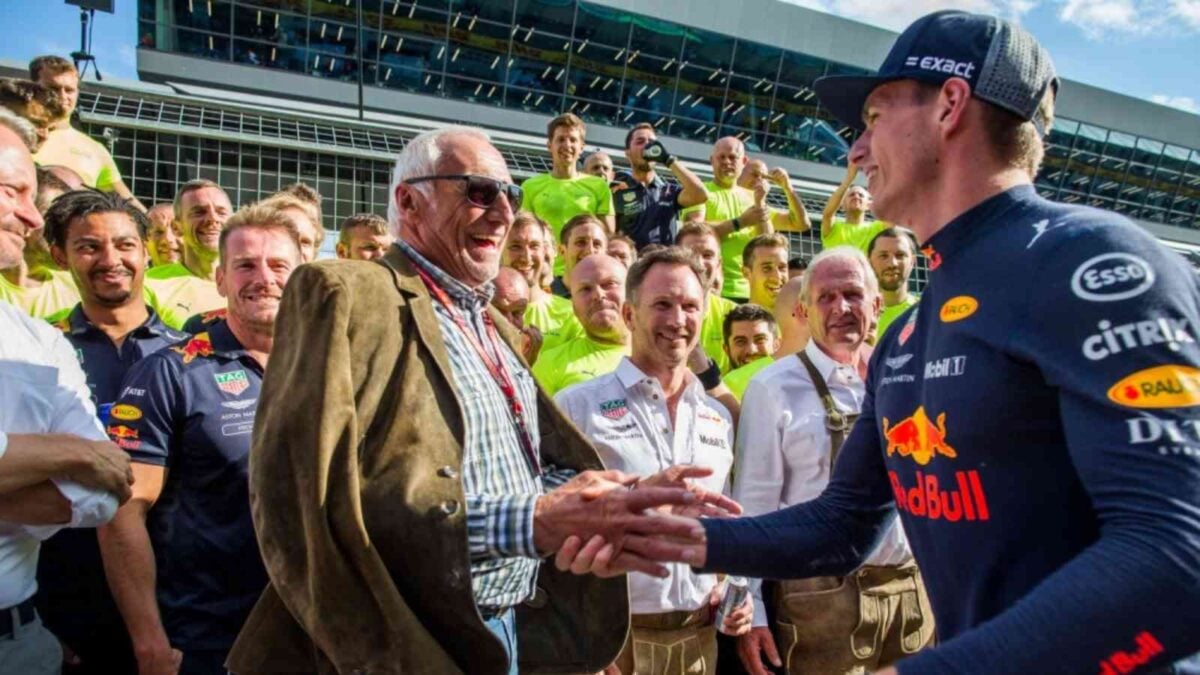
(500,486)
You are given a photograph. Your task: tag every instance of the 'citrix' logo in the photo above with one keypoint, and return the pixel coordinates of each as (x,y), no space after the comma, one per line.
(960,68)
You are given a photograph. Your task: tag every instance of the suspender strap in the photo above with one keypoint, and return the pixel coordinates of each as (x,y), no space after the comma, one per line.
(837,422)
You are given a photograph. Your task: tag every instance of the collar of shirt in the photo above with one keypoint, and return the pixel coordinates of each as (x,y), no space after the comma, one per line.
(832,371)
(467,298)
(627,177)
(630,377)
(79,324)
(225,344)
(974,222)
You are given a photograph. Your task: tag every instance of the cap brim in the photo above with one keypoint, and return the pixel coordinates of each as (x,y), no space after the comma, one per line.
(844,96)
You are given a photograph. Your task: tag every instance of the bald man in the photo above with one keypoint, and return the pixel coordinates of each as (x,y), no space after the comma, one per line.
(793,329)
(163,240)
(738,214)
(512,298)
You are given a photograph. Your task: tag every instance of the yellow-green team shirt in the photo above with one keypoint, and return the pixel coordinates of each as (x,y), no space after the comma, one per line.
(727,203)
(555,318)
(83,155)
(890,313)
(712,337)
(739,378)
(557,200)
(57,292)
(180,293)
(576,361)
(859,236)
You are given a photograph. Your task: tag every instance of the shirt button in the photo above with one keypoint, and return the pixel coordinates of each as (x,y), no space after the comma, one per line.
(449,507)
(447,472)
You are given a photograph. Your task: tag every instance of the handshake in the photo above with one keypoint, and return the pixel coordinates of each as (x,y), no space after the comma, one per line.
(608,523)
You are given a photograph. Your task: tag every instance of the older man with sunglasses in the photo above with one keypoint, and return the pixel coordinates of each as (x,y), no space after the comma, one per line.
(404,516)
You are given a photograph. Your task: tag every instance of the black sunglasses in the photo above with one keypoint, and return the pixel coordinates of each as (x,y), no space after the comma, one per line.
(481,190)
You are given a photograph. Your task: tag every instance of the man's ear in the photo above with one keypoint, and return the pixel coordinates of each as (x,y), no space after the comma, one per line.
(952,104)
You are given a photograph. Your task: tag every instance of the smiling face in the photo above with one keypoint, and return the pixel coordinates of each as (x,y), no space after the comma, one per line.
(892,259)
(66,85)
(599,164)
(728,159)
(163,239)
(584,240)
(461,238)
(253,272)
(203,213)
(841,307)
(898,150)
(708,250)
(664,318)
(106,257)
(749,341)
(597,296)
(19,217)
(767,274)
(566,145)
(525,250)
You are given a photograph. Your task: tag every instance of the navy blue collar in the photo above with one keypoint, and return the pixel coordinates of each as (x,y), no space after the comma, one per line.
(79,324)
(975,222)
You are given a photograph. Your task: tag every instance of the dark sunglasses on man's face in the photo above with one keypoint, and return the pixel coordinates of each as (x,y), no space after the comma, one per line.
(481,190)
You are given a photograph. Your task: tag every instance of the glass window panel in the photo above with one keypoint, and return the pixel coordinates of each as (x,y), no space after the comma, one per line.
(1175,158)
(1158,199)
(1147,151)
(697,130)
(500,11)
(1090,138)
(826,145)
(214,16)
(594,74)
(657,38)
(424,17)
(408,62)
(331,38)
(477,91)
(1120,145)
(1106,187)
(205,45)
(332,66)
(791,117)
(1165,179)
(594,111)
(800,70)
(481,52)
(1066,126)
(757,61)
(266,25)
(710,51)
(533,101)
(333,10)
(748,104)
(551,16)
(1080,172)
(602,25)
(536,75)
(647,87)
(269,55)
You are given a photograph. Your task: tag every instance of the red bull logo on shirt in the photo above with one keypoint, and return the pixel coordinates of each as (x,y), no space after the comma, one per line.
(1146,647)
(1170,386)
(198,346)
(922,440)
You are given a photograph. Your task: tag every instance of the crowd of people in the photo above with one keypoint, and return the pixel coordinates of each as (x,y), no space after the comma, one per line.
(602,421)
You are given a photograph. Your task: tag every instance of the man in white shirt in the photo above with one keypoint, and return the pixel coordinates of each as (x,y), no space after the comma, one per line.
(649,414)
(786,445)
(57,468)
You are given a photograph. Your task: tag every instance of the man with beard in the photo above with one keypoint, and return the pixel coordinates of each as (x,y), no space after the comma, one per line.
(785,454)
(648,414)
(597,295)
(512,299)
(363,236)
(163,239)
(188,287)
(854,230)
(186,573)
(892,254)
(764,264)
(564,193)
(37,285)
(97,236)
(647,206)
(706,246)
(738,215)
(525,251)
(751,336)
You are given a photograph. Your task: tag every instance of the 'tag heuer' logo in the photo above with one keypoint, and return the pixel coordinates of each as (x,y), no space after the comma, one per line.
(1169,386)
(958,308)
(920,439)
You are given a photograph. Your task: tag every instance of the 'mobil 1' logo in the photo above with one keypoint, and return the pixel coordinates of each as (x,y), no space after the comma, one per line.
(1169,386)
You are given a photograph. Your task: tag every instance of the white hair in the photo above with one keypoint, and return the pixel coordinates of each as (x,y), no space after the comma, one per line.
(850,254)
(420,157)
(20,126)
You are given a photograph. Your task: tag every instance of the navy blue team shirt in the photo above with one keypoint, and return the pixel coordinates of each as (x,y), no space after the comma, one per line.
(649,214)
(1035,422)
(70,570)
(195,405)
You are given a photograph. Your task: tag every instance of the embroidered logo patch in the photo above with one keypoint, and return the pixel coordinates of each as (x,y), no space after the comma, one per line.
(233,382)
(614,409)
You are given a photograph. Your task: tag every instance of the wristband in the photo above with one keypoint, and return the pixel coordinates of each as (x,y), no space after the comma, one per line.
(737,224)
(711,377)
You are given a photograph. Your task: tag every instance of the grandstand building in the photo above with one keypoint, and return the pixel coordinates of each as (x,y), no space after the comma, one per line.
(256,94)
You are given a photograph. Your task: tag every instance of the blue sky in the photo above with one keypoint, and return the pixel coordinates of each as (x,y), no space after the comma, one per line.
(1143,48)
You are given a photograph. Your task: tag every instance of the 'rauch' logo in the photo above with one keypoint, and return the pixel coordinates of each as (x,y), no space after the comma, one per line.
(958,308)
(1170,386)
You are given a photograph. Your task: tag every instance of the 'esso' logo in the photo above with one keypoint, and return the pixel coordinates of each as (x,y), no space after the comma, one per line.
(1112,276)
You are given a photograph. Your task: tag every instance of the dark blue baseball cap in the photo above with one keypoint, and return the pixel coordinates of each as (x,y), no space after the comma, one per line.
(1002,62)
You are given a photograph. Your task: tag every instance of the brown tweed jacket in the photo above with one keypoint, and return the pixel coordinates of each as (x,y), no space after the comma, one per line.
(358,504)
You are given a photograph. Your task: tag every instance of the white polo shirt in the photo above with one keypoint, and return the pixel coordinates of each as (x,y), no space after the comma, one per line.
(783,446)
(624,413)
(42,390)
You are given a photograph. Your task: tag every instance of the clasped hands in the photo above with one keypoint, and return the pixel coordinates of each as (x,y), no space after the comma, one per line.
(608,523)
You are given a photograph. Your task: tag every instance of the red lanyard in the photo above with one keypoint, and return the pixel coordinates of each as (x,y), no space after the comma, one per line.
(494,361)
